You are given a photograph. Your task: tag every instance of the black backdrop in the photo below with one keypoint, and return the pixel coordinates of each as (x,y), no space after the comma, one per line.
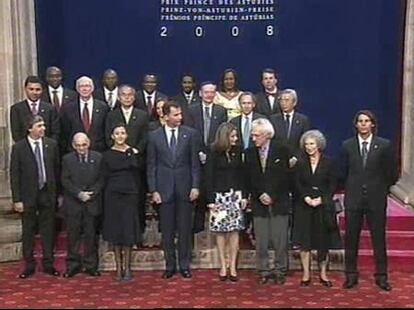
(341,56)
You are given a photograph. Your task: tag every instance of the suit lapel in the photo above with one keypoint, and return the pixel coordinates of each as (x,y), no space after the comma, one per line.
(357,151)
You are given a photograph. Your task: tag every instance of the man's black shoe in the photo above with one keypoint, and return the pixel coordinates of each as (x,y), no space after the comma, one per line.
(186,274)
(92,272)
(52,271)
(26,273)
(350,283)
(168,274)
(384,285)
(71,272)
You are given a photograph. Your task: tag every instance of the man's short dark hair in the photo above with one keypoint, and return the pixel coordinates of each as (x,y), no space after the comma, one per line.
(32,79)
(268,70)
(371,116)
(166,109)
(33,119)
(189,74)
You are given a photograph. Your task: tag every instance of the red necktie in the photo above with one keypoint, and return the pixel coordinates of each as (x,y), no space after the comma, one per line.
(85,118)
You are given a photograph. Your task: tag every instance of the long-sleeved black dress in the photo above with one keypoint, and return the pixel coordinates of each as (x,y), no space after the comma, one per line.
(121,220)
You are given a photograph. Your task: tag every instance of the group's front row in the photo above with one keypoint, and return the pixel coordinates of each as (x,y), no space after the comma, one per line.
(258,177)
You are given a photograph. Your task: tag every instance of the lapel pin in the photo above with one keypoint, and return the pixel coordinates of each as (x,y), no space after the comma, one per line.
(92,161)
(277,160)
(134,117)
(42,110)
(375,146)
(184,136)
(297,121)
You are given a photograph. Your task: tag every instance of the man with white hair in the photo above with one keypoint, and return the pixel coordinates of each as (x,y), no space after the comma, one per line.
(82,180)
(86,115)
(267,165)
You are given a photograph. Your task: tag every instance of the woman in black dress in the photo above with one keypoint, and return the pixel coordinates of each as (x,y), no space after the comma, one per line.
(224,183)
(316,181)
(121,222)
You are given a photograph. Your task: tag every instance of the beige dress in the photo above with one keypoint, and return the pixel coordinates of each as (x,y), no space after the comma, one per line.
(231,105)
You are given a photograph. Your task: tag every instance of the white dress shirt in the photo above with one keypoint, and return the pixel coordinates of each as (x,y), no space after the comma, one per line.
(59,93)
(368,140)
(169,133)
(127,113)
(114,95)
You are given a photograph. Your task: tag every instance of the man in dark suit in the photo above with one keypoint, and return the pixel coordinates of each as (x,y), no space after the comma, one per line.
(22,111)
(108,93)
(243,122)
(369,169)
(86,115)
(136,122)
(188,94)
(205,117)
(267,166)
(34,169)
(82,180)
(55,93)
(267,100)
(173,170)
(149,95)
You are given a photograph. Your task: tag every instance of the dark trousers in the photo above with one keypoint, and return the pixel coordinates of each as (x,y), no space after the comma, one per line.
(77,223)
(376,220)
(41,215)
(176,218)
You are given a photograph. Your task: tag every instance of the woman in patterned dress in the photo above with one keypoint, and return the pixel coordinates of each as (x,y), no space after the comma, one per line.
(225,189)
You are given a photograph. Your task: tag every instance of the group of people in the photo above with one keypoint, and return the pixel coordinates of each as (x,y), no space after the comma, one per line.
(224,151)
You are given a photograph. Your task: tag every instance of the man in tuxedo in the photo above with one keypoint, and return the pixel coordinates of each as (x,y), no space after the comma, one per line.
(34,169)
(136,122)
(205,117)
(108,93)
(55,93)
(188,94)
(173,170)
(82,180)
(149,95)
(369,169)
(86,115)
(267,100)
(243,122)
(22,111)
(267,166)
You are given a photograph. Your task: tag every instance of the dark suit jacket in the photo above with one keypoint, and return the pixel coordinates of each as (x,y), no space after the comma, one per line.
(322,183)
(182,101)
(137,127)
(379,174)
(69,95)
(141,102)
(263,105)
(237,121)
(99,94)
(23,171)
(273,181)
(299,125)
(195,120)
(20,113)
(72,123)
(77,177)
(173,178)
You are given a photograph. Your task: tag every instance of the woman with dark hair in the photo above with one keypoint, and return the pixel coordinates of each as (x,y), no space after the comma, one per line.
(229,93)
(315,224)
(159,115)
(121,219)
(225,190)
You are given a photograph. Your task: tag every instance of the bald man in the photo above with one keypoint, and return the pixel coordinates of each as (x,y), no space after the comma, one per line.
(82,180)
(87,115)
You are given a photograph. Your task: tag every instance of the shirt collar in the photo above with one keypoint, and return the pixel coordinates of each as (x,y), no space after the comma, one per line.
(30,102)
(59,89)
(32,141)
(149,95)
(265,148)
(114,91)
(249,116)
(369,139)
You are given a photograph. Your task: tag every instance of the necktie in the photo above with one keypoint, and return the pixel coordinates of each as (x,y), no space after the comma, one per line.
(41,174)
(55,100)
(207,120)
(34,108)
(364,153)
(149,105)
(85,118)
(287,122)
(188,97)
(246,132)
(110,100)
(263,158)
(83,158)
(173,142)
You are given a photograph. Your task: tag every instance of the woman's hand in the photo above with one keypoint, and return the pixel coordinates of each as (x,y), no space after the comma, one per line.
(244,203)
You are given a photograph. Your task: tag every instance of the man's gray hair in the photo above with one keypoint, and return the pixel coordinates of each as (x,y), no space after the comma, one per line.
(291,92)
(265,126)
(84,79)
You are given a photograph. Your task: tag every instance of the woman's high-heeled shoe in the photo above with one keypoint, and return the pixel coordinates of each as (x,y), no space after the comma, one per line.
(305,283)
(325,283)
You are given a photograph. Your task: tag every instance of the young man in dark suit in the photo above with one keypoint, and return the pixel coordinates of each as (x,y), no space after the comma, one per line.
(149,95)
(267,100)
(82,180)
(267,166)
(34,169)
(188,94)
(173,170)
(55,93)
(108,93)
(22,111)
(205,117)
(86,115)
(369,169)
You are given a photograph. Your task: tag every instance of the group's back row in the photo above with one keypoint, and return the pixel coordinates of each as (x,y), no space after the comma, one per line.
(96,110)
